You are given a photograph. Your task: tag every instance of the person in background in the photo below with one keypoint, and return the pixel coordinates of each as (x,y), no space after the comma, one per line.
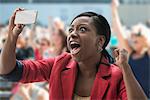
(41,45)
(86,72)
(59,43)
(30,91)
(42,50)
(138,49)
(58,36)
(24,51)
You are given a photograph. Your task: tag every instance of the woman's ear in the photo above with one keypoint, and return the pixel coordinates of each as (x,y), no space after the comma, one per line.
(102,40)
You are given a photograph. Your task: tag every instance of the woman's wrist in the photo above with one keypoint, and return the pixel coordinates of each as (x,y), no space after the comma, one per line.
(125,67)
(12,37)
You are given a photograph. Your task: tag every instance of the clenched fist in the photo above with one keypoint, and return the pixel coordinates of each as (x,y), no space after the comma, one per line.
(121,56)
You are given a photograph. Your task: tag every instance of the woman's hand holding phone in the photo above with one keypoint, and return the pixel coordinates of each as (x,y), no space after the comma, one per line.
(15,29)
(19,19)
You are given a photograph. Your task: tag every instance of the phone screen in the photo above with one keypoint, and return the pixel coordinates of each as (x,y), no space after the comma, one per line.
(26,17)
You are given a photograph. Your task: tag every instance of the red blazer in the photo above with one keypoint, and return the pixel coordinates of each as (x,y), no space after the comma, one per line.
(61,72)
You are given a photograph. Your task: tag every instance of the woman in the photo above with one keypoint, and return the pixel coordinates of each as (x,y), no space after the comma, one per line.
(69,74)
(23,51)
(138,49)
(59,42)
(43,50)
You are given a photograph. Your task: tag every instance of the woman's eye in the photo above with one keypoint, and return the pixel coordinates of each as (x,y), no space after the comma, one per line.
(70,30)
(83,29)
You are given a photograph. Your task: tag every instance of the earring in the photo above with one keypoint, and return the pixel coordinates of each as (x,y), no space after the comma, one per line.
(100,49)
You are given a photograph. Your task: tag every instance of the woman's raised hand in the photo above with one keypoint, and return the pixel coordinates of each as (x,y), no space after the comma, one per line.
(121,56)
(15,29)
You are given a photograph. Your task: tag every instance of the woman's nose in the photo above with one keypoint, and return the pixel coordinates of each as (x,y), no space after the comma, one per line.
(73,34)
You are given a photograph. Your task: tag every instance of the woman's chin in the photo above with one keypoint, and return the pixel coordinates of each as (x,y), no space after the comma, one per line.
(76,54)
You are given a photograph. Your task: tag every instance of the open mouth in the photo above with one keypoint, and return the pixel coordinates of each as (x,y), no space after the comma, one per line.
(75,47)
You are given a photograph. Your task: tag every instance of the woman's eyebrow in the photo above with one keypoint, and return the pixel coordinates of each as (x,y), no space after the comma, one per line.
(84,24)
(71,26)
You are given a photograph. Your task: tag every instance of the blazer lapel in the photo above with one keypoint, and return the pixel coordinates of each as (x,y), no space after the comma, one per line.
(99,89)
(68,77)
(101,84)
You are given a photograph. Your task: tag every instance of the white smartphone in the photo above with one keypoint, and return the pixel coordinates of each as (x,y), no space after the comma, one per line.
(26,17)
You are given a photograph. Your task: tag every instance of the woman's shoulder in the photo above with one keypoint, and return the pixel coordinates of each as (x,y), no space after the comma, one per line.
(116,71)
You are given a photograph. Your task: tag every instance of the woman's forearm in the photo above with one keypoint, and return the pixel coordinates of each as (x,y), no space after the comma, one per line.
(8,55)
(133,88)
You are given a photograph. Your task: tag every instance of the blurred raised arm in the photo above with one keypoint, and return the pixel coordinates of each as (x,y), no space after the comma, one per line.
(117,27)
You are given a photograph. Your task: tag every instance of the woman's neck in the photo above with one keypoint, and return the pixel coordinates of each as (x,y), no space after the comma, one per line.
(88,68)
(138,54)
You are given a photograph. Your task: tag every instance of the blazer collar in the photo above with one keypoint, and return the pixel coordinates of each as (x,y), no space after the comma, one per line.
(68,78)
(101,83)
(104,69)
(69,75)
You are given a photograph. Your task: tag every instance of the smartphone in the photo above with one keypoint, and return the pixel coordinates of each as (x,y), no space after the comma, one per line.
(26,17)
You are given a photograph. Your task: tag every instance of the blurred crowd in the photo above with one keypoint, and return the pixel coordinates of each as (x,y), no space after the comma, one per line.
(39,42)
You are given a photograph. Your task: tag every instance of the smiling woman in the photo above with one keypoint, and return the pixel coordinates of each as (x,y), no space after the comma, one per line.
(85,73)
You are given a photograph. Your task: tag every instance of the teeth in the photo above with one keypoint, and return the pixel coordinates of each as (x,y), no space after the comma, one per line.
(74,47)
(74,43)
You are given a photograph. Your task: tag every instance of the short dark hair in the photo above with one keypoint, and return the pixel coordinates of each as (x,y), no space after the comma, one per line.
(102,27)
